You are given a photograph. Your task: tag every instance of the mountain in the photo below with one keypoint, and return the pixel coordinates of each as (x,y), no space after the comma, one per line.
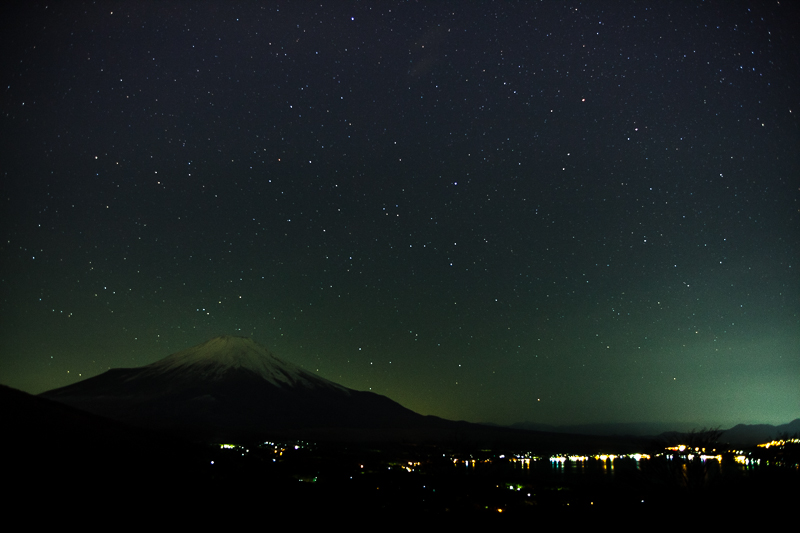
(231,386)
(741,435)
(744,435)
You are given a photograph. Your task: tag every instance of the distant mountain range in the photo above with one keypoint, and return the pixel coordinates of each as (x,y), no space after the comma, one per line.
(742,435)
(745,435)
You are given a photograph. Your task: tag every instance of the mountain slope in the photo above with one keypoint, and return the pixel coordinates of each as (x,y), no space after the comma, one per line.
(230,385)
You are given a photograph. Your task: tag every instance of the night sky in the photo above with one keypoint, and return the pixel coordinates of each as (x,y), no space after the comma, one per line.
(556,212)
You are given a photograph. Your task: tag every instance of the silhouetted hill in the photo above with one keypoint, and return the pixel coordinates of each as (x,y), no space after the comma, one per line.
(744,435)
(61,458)
(741,435)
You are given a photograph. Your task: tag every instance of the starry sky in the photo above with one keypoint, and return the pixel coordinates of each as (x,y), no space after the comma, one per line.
(556,212)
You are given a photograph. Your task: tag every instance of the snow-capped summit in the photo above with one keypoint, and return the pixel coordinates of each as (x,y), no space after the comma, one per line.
(215,357)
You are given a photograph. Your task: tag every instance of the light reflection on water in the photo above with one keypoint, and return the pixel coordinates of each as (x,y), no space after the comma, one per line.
(608,470)
(592,467)
(586,467)
(606,465)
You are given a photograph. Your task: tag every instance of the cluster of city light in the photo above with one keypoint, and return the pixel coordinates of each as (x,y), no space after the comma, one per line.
(601,457)
(277,448)
(634,456)
(470,462)
(234,447)
(406,466)
(779,443)
(297,445)
(564,458)
(683,448)
(692,453)
(525,460)
(411,466)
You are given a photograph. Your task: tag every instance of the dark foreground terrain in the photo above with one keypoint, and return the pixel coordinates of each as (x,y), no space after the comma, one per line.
(68,465)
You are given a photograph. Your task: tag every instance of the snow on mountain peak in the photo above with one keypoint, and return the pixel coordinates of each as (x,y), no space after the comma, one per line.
(215,357)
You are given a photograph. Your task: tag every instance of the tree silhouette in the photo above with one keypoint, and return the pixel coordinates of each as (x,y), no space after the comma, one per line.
(691,471)
(679,465)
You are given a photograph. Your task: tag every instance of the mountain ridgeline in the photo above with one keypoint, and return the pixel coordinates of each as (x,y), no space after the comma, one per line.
(231,386)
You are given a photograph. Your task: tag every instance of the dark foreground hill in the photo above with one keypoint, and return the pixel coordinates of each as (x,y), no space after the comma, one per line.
(62,465)
(61,462)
